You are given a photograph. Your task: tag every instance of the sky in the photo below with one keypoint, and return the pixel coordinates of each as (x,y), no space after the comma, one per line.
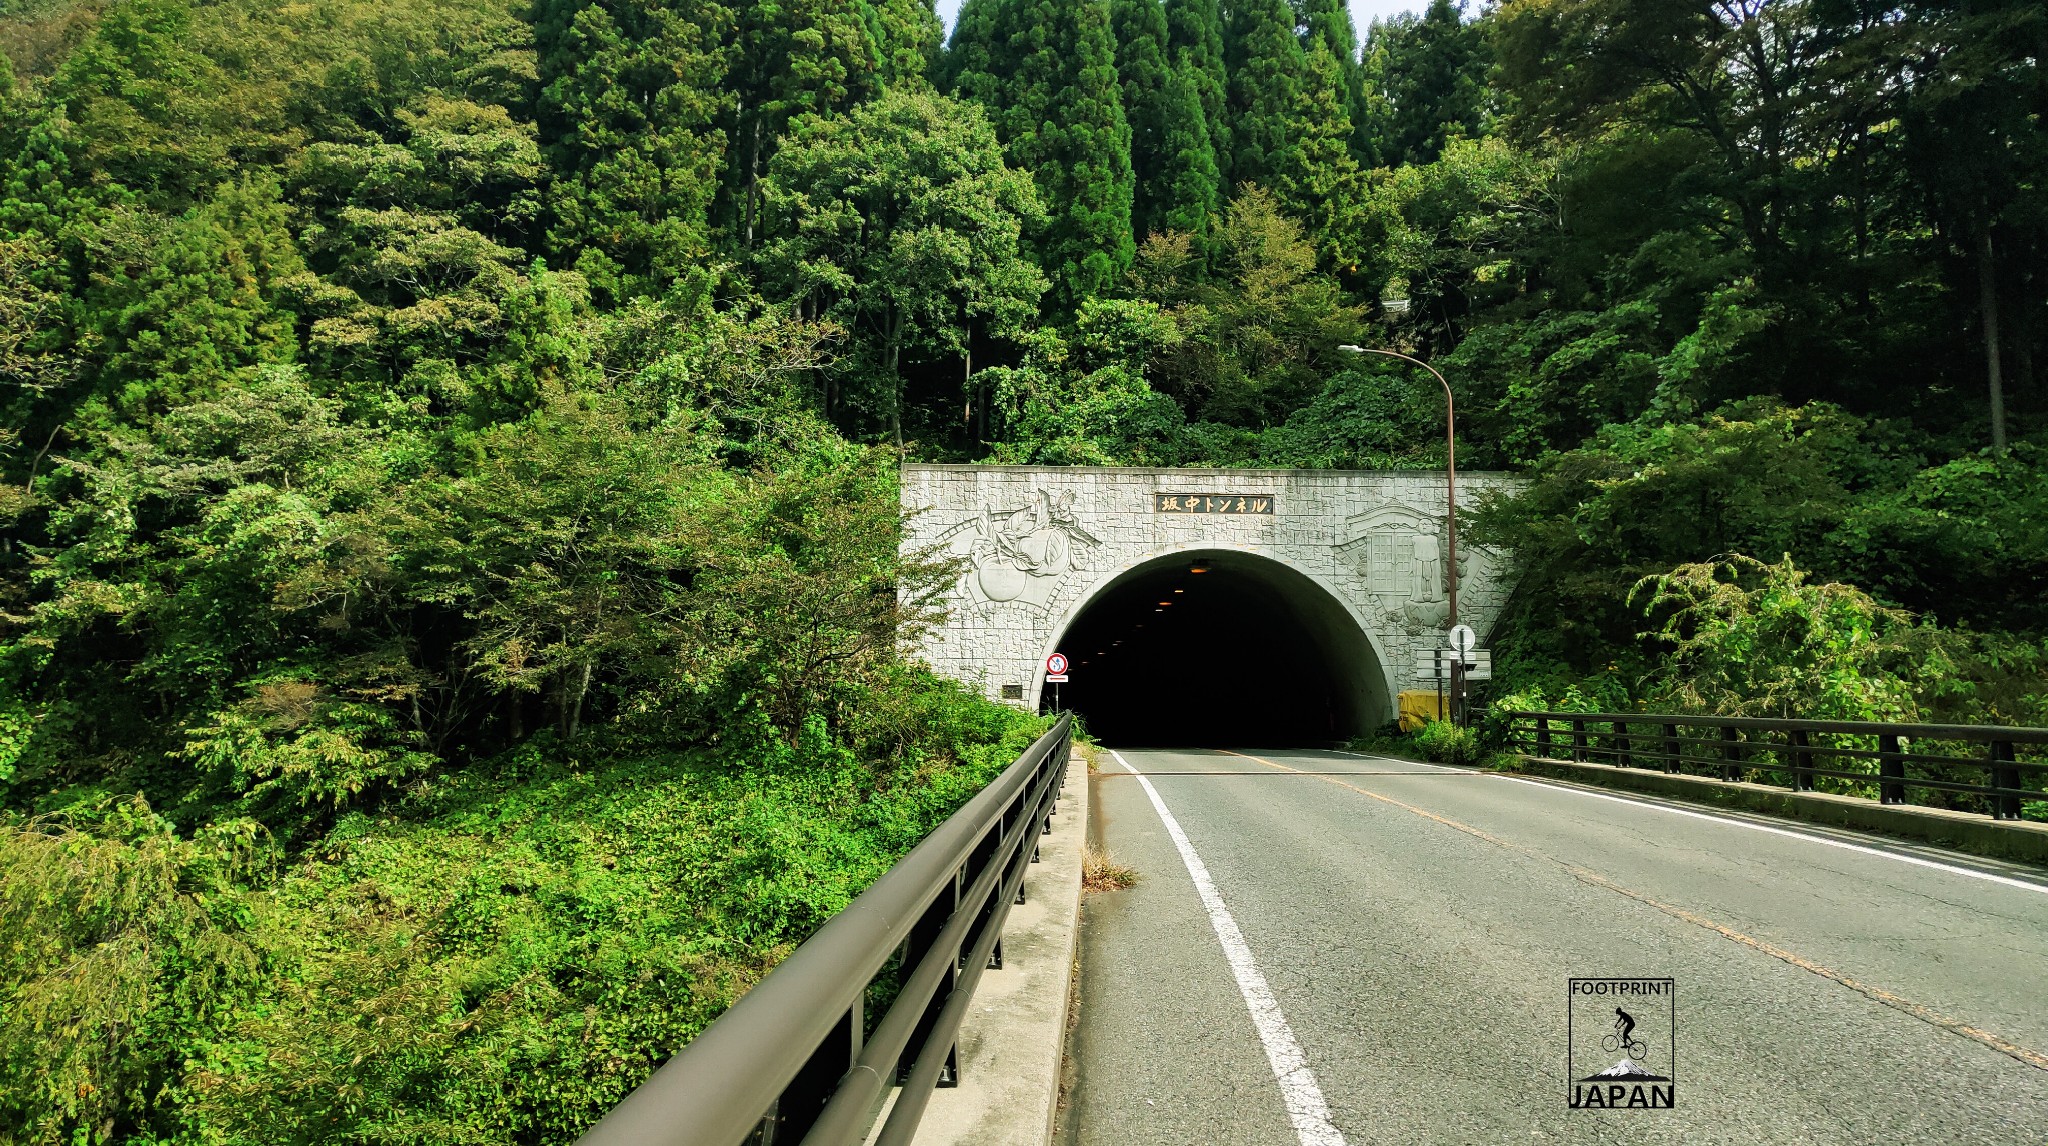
(1363,12)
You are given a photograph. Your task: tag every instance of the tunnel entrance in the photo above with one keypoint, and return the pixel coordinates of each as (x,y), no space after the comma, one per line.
(1219,649)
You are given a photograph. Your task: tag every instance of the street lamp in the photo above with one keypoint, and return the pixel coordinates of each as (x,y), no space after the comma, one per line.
(1451,513)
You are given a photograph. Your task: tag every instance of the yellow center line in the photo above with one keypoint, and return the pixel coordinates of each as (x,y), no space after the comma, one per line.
(1925,1014)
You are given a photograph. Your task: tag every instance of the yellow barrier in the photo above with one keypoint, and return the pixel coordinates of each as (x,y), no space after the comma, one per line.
(1419,708)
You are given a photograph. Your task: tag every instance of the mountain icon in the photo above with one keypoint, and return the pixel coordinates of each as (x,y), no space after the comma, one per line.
(1625,1069)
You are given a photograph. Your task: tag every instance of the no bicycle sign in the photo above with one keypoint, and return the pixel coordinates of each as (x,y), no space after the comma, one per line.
(1056,668)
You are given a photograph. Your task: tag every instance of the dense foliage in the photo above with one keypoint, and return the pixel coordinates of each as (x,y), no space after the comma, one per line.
(450,617)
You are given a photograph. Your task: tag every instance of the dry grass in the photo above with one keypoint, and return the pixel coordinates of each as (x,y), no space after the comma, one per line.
(1101,872)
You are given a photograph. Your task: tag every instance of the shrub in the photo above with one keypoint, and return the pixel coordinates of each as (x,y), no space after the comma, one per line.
(120,943)
(505,962)
(1447,743)
(1752,639)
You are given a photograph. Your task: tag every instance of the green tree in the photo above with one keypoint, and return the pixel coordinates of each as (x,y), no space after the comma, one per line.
(1319,182)
(1046,72)
(1372,115)
(1194,40)
(568,540)
(31,364)
(1267,73)
(183,304)
(1189,186)
(154,112)
(803,598)
(1258,325)
(900,221)
(1642,498)
(1965,542)
(630,92)
(1751,638)
(1329,21)
(1140,31)
(1972,138)
(1082,398)
(790,57)
(1435,80)
(206,548)
(123,941)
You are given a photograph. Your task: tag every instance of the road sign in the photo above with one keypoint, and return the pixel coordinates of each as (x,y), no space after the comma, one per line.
(1435,664)
(1463,639)
(1056,665)
(1056,678)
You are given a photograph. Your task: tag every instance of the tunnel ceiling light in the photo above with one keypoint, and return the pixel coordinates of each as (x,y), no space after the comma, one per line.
(1164,604)
(1180,590)
(1199,567)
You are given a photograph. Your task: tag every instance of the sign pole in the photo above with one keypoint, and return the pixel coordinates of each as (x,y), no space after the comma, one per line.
(1462,641)
(1056,675)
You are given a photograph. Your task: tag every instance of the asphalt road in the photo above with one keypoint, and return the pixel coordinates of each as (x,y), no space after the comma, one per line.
(1384,954)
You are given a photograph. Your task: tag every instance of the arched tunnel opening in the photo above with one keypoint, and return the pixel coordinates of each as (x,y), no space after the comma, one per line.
(1219,649)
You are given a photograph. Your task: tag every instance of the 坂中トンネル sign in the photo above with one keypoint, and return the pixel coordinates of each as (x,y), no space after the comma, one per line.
(1212,503)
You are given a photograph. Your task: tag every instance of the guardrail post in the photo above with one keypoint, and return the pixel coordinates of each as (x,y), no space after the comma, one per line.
(1891,770)
(1578,740)
(2004,774)
(915,948)
(1802,761)
(1621,744)
(1671,748)
(1731,753)
(983,919)
(805,1096)
(794,1058)
(1543,737)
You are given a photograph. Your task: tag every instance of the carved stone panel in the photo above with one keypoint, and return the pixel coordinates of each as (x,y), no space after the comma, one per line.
(1035,542)
(1020,553)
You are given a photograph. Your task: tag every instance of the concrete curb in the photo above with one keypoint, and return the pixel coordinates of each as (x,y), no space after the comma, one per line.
(2021,840)
(1012,1038)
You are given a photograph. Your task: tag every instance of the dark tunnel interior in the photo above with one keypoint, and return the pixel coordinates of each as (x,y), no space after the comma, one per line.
(1218,650)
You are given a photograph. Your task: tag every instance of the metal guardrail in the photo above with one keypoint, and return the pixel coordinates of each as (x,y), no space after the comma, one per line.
(795,1059)
(1858,756)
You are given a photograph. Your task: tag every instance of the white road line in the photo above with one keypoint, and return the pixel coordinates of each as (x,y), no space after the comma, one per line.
(1298,1089)
(1812,839)
(1755,827)
(1399,760)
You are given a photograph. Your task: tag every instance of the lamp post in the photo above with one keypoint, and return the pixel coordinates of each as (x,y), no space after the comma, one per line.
(1450,514)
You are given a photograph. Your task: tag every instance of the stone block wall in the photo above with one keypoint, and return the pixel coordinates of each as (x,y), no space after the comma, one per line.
(1040,542)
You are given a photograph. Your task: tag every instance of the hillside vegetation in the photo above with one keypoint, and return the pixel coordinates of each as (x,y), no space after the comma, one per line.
(451,628)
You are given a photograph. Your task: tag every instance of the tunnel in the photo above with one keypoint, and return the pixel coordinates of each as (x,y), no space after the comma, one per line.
(1218,649)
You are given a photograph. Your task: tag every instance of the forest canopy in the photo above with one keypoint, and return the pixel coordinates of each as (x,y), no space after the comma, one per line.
(451,627)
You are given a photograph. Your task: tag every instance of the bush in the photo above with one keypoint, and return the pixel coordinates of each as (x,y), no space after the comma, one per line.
(1447,743)
(1753,639)
(501,956)
(120,944)
(509,962)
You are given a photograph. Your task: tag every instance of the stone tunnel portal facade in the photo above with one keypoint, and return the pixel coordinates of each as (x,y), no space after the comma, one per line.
(1308,595)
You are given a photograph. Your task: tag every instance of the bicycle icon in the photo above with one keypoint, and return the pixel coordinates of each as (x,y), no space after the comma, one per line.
(1636,1048)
